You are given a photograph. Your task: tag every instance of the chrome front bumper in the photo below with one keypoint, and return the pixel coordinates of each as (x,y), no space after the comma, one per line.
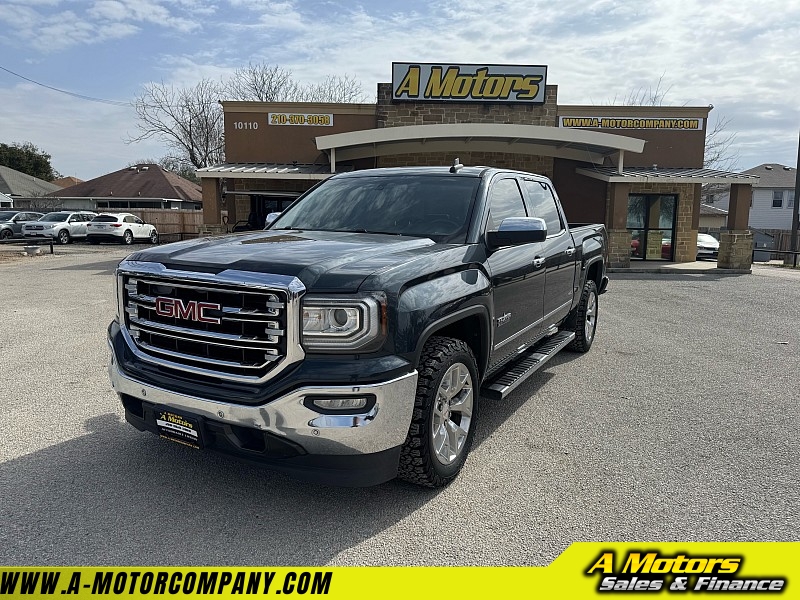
(382,428)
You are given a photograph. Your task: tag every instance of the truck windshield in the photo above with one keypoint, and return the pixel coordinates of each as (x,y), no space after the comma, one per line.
(436,207)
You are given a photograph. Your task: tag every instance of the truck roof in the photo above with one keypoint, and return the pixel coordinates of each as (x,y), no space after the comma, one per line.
(463,172)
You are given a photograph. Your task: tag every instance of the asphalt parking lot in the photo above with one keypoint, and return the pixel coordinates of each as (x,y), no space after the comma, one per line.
(680,424)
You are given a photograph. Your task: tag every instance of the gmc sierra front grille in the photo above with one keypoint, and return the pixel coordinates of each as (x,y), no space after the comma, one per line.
(235,331)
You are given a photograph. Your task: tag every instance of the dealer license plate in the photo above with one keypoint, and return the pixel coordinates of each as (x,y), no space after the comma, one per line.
(179,428)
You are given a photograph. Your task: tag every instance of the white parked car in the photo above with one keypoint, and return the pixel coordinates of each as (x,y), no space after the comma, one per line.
(707,246)
(62,226)
(120,227)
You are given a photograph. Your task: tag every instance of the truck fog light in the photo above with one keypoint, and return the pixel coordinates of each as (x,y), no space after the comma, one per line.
(340,404)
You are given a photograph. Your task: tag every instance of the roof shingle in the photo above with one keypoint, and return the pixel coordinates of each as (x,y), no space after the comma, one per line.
(144,181)
(16,183)
(774,175)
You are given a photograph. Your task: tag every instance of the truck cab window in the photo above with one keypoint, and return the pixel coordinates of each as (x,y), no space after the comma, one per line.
(542,204)
(505,200)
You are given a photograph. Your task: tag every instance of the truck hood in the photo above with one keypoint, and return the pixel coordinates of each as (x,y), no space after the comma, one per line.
(322,260)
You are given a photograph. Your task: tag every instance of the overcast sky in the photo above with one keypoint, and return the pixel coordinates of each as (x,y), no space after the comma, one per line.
(741,56)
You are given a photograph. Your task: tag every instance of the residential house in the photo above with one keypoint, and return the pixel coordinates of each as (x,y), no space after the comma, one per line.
(21,185)
(140,186)
(772,204)
(712,218)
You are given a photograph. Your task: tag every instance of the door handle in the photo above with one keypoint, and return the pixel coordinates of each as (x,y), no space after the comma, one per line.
(570,251)
(538,262)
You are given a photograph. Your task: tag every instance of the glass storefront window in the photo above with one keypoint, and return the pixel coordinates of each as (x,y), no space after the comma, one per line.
(651,222)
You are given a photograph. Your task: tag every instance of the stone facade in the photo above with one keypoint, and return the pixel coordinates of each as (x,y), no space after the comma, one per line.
(735,249)
(619,248)
(685,242)
(428,113)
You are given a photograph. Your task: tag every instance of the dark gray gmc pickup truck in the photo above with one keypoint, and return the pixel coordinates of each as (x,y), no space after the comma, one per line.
(351,341)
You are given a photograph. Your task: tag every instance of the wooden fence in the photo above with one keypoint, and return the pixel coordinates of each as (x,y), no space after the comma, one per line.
(171,224)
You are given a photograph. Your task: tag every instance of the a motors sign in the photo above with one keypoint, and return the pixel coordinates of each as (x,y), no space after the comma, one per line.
(422,82)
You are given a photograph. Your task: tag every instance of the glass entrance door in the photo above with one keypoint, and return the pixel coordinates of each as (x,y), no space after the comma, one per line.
(651,221)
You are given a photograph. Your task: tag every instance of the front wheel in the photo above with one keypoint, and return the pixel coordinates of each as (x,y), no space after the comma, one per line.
(6,234)
(584,322)
(445,407)
(63,237)
(154,237)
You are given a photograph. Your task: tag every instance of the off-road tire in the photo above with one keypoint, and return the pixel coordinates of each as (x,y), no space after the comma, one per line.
(418,462)
(577,322)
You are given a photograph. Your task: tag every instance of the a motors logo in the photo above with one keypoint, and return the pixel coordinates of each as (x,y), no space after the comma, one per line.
(191,310)
(469,83)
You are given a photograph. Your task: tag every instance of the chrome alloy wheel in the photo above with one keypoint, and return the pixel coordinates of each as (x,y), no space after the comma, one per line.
(452,413)
(591,317)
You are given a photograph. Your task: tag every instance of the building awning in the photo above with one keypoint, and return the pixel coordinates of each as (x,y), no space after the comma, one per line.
(665,175)
(560,142)
(265,171)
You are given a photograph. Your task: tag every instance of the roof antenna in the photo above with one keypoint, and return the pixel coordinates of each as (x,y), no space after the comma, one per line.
(457,166)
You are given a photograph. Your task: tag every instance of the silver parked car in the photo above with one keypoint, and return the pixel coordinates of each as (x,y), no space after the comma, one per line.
(62,227)
(122,228)
(11,222)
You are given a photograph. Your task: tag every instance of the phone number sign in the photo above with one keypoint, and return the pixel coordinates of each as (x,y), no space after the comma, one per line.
(324,120)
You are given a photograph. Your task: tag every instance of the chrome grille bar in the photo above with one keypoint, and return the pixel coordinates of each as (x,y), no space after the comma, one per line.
(251,336)
(180,333)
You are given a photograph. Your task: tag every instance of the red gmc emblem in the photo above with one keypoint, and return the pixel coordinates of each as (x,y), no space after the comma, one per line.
(191,310)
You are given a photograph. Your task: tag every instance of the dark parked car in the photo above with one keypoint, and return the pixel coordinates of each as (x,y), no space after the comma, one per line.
(11,222)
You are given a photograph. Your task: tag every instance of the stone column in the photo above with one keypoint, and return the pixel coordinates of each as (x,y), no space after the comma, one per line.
(736,244)
(619,238)
(687,223)
(735,250)
(212,201)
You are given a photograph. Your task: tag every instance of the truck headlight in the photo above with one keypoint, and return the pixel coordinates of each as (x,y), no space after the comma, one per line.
(342,324)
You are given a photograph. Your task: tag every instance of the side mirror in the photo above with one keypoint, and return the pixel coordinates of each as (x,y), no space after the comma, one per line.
(515,231)
(271,219)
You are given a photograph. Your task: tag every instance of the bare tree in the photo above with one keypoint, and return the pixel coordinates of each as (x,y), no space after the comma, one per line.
(720,152)
(262,83)
(188,120)
(651,95)
(335,88)
(45,203)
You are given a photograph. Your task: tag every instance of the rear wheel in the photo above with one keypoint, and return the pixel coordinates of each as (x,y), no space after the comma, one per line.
(445,406)
(63,237)
(127,238)
(584,322)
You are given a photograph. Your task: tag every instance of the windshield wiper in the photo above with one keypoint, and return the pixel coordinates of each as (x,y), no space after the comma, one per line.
(361,230)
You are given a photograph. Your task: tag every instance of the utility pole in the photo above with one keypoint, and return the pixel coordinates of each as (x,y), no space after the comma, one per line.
(795,212)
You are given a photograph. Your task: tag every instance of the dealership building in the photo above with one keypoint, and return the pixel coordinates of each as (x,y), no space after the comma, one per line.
(638,169)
